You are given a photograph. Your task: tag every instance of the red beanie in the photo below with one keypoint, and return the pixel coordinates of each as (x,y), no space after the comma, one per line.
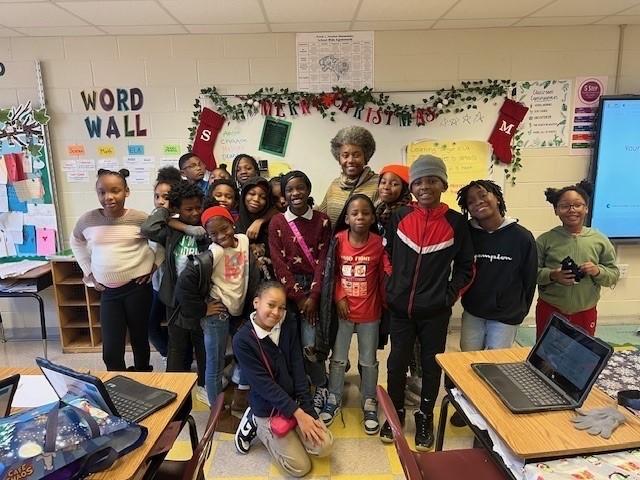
(401,171)
(217,211)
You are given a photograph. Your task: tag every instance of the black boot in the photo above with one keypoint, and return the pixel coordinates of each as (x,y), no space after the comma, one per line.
(386,435)
(424,431)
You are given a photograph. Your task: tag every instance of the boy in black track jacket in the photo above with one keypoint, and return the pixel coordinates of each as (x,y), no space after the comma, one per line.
(423,239)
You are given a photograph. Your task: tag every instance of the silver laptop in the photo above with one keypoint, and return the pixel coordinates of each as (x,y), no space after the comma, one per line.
(557,375)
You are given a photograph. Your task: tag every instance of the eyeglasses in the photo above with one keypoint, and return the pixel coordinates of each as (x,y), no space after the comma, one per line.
(565,207)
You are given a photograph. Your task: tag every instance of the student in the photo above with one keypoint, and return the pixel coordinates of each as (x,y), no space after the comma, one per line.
(216,288)
(193,170)
(298,243)
(166,178)
(185,336)
(423,241)
(393,192)
(559,290)
(277,195)
(358,294)
(220,172)
(223,192)
(506,264)
(243,168)
(119,262)
(255,204)
(269,352)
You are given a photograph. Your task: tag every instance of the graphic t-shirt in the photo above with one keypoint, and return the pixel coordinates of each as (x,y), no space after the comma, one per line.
(231,274)
(185,247)
(359,273)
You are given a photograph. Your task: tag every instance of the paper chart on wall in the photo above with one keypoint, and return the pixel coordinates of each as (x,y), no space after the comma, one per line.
(546,122)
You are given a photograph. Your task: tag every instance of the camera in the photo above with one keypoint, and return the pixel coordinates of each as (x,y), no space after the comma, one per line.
(570,265)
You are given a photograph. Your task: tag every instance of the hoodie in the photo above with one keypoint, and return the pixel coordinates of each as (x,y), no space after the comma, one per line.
(506,267)
(588,246)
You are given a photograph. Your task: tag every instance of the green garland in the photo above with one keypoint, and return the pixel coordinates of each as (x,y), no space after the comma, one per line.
(453,100)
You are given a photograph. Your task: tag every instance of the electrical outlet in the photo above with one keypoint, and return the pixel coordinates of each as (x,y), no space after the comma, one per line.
(624,269)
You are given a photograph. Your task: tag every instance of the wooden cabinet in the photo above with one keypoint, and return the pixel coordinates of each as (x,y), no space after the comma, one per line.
(78,309)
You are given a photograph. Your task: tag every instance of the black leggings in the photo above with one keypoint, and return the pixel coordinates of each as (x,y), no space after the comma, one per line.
(121,309)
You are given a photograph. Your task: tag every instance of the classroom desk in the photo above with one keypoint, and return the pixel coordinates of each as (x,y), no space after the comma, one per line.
(42,276)
(134,464)
(531,436)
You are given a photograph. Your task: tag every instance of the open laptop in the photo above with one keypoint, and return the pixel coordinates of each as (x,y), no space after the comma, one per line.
(557,375)
(8,387)
(121,396)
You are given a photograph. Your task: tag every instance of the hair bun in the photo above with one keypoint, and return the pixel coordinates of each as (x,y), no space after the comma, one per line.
(102,171)
(124,172)
(551,194)
(587,186)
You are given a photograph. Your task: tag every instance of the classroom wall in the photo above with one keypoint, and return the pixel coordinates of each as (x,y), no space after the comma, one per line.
(172,69)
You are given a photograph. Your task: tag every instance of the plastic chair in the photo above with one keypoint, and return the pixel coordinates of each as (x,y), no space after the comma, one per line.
(191,469)
(473,463)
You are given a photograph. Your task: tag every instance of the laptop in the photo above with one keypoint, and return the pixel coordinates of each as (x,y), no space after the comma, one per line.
(557,375)
(120,396)
(8,387)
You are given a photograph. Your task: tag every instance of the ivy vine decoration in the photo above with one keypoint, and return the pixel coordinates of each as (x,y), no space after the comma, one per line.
(364,104)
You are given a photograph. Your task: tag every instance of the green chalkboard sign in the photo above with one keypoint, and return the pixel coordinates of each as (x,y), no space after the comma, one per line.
(275,136)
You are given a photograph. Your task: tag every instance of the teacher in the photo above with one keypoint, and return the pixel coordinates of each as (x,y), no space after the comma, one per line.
(352,147)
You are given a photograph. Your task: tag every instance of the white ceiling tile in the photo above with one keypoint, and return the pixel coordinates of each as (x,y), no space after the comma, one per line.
(216,12)
(60,31)
(143,29)
(620,20)
(110,12)
(394,25)
(475,23)
(550,21)
(36,15)
(404,10)
(586,8)
(494,8)
(311,27)
(287,11)
(229,28)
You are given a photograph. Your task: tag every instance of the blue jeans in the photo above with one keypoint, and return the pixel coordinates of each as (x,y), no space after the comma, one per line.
(215,331)
(367,345)
(315,370)
(481,334)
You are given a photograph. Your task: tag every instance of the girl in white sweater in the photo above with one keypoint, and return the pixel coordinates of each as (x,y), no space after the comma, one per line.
(118,261)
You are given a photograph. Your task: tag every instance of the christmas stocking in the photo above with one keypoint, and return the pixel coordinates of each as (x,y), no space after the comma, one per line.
(210,125)
(510,116)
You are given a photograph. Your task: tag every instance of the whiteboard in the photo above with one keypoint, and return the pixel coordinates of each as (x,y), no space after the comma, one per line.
(309,149)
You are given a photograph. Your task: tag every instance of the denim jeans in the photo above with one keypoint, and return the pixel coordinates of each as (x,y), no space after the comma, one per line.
(315,370)
(481,334)
(216,331)
(367,345)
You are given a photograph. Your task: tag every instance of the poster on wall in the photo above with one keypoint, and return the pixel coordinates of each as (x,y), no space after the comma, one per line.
(546,124)
(585,107)
(327,59)
(275,135)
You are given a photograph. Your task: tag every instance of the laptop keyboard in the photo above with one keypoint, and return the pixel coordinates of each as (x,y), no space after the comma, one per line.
(129,408)
(533,387)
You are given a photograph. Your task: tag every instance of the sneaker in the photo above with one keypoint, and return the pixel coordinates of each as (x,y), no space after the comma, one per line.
(246,433)
(330,410)
(424,431)
(386,435)
(320,399)
(370,411)
(201,396)
(457,421)
(240,400)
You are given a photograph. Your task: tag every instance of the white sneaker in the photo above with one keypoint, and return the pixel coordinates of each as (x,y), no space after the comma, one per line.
(371,422)
(201,395)
(246,433)
(320,399)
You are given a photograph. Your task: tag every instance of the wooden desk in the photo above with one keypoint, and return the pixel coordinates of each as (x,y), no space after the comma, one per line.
(134,464)
(533,435)
(43,278)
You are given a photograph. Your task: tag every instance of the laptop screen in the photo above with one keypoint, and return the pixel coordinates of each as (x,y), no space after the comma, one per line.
(569,357)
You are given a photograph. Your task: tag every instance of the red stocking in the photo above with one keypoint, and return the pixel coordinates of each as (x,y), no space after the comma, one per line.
(210,125)
(510,116)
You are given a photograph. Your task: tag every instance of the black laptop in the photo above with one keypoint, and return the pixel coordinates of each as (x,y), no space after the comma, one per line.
(8,387)
(121,396)
(557,375)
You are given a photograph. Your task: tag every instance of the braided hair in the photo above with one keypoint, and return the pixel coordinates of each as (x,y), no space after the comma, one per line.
(487,185)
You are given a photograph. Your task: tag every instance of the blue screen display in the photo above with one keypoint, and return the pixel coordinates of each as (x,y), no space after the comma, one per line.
(616,200)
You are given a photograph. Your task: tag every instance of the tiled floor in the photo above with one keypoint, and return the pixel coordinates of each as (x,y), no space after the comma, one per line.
(355,455)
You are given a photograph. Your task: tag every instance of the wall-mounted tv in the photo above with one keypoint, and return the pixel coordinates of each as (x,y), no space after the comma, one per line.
(615,171)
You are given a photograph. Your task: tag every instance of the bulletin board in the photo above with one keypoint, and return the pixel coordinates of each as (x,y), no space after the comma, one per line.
(28,218)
